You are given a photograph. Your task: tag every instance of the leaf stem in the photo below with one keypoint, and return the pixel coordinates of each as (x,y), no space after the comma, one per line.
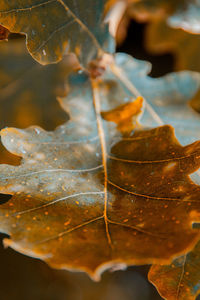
(97,106)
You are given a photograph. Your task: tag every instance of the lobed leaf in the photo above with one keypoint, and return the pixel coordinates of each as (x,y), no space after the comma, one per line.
(167,97)
(183,14)
(180,280)
(161,39)
(55,27)
(27,89)
(87,196)
(187,18)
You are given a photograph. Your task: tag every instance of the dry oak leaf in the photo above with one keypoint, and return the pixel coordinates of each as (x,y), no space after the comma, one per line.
(166,97)
(87,198)
(54,27)
(27,89)
(181,279)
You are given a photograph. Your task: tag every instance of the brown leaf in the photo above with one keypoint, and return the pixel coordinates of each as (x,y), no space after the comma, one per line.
(55,27)
(87,198)
(27,89)
(180,280)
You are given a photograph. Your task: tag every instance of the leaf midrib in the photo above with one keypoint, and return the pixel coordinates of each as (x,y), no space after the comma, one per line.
(81,24)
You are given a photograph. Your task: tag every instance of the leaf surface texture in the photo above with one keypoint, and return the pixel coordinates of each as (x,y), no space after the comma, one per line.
(54,27)
(93,193)
(180,280)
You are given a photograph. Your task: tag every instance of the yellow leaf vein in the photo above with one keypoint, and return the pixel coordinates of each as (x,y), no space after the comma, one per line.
(154,161)
(64,26)
(70,230)
(26,8)
(181,278)
(55,201)
(150,197)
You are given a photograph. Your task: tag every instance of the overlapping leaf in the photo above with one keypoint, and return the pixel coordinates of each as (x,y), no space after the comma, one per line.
(183,14)
(187,17)
(167,96)
(27,89)
(85,197)
(161,38)
(56,26)
(180,280)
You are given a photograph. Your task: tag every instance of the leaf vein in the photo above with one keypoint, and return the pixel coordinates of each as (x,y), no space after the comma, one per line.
(84,27)
(61,234)
(70,142)
(54,170)
(27,8)
(135,228)
(150,197)
(181,278)
(65,25)
(154,161)
(54,202)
